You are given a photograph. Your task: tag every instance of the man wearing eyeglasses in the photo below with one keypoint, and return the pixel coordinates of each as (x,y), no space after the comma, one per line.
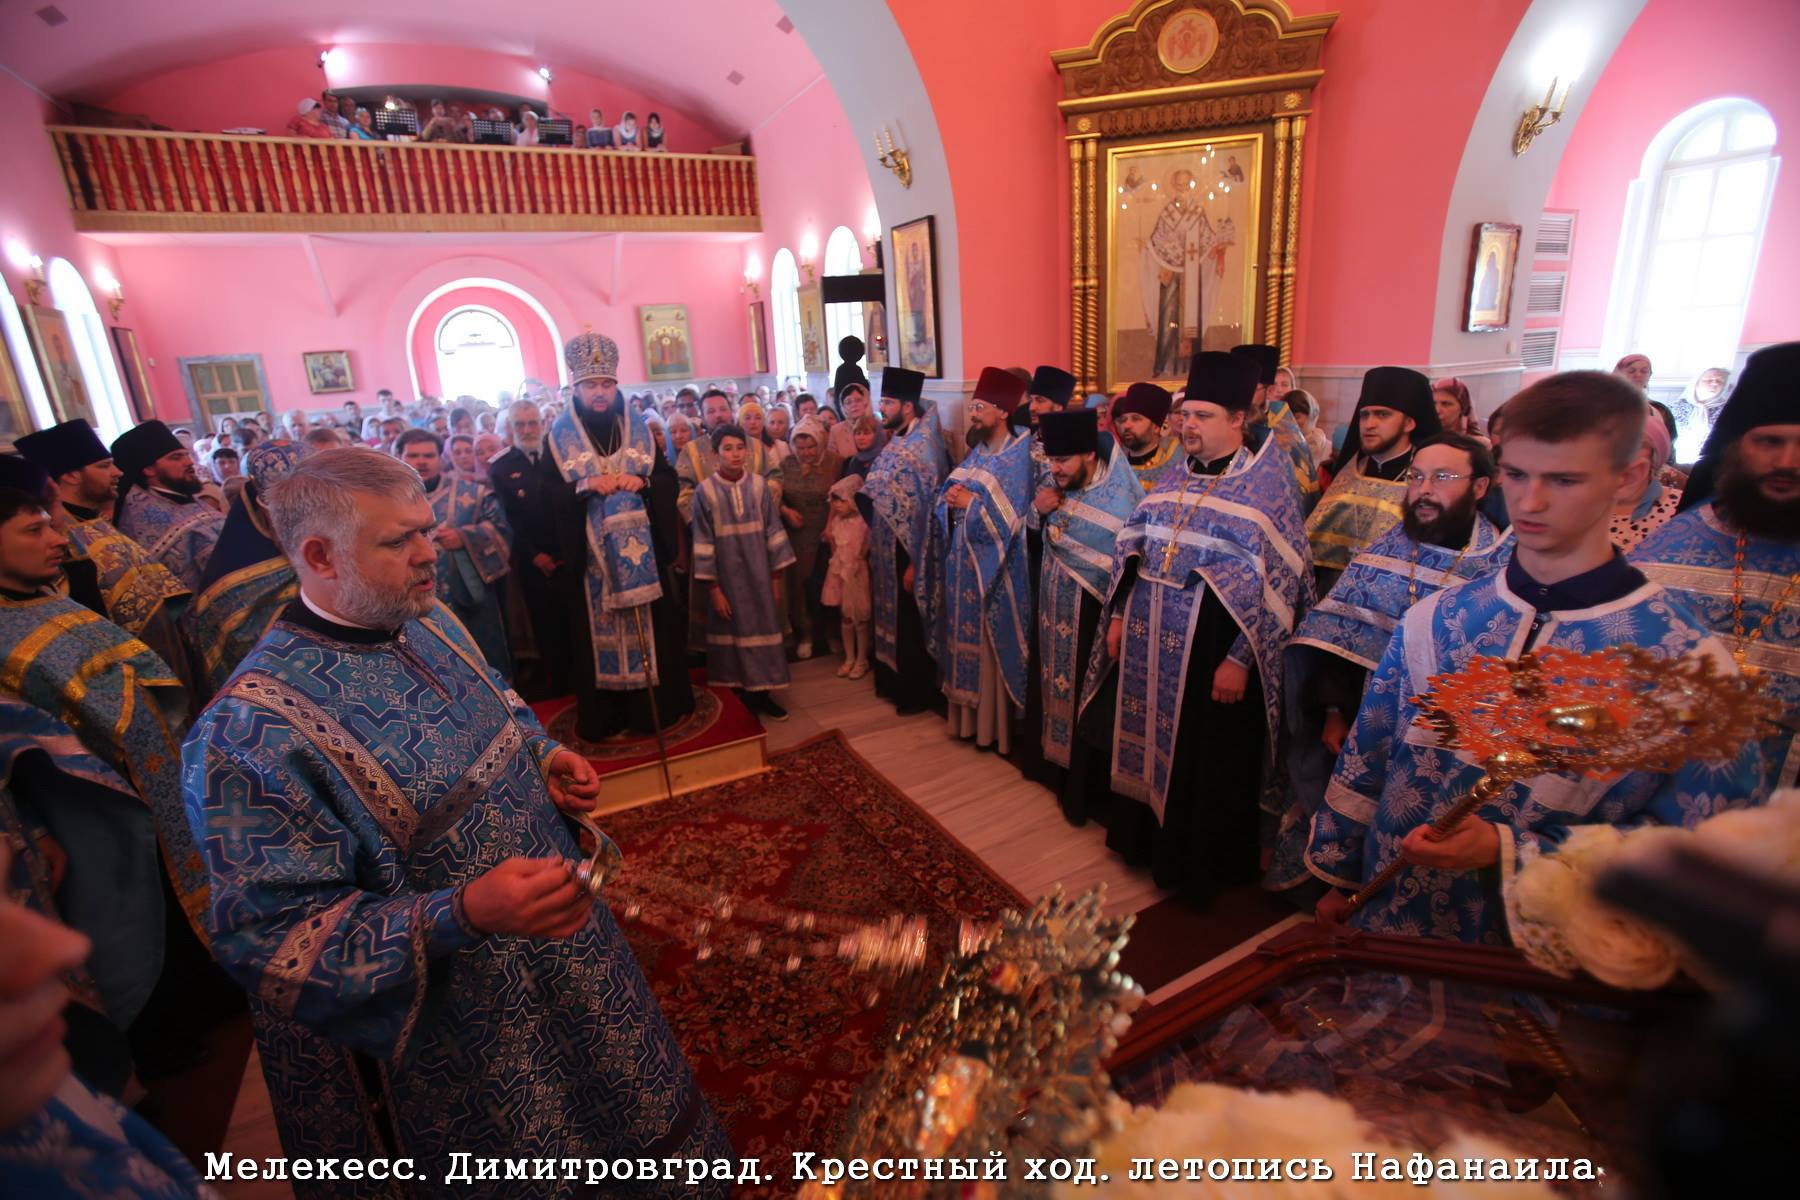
(1442,540)
(1367,497)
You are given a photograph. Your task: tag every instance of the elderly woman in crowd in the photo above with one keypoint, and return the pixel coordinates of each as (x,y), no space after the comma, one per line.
(681,432)
(1696,410)
(1636,369)
(1636,518)
(781,422)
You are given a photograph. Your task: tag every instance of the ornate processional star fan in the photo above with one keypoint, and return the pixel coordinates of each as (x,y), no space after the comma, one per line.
(1596,714)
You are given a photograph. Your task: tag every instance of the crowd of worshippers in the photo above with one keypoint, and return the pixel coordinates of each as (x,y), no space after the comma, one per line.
(335,115)
(265,745)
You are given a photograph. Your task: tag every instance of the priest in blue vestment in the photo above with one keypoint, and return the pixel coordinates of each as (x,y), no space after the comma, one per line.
(1734,554)
(1442,541)
(977,540)
(1095,496)
(159,505)
(248,580)
(473,551)
(900,490)
(1572,443)
(391,877)
(1209,577)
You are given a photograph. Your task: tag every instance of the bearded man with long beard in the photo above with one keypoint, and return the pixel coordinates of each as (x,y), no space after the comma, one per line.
(159,501)
(1441,541)
(1734,553)
(381,818)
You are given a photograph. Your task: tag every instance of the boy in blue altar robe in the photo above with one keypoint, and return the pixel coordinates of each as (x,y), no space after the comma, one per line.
(1442,541)
(159,505)
(900,489)
(1572,444)
(1209,577)
(391,875)
(1734,554)
(472,537)
(739,545)
(977,539)
(1094,499)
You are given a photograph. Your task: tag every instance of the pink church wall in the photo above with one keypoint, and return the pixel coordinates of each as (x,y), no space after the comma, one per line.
(262,296)
(34,209)
(812,178)
(536,347)
(1678,55)
(1403,80)
(263,88)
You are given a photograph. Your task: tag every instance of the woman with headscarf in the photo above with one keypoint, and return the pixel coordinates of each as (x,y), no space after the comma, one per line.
(1696,411)
(781,427)
(1455,408)
(1636,518)
(681,432)
(1636,369)
(806,479)
(753,417)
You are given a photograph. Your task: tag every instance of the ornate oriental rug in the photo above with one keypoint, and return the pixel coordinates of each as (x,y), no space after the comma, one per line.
(781,1056)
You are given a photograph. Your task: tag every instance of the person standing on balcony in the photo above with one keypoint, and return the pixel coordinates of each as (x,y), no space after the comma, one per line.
(331,116)
(625,137)
(599,134)
(653,132)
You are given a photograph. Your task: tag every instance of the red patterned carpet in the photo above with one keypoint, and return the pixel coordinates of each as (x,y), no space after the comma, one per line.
(718,718)
(782,1056)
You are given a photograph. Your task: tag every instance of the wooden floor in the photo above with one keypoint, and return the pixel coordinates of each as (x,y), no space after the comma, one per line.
(1014,826)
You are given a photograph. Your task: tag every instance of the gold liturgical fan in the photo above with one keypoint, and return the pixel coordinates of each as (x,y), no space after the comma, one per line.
(1597,714)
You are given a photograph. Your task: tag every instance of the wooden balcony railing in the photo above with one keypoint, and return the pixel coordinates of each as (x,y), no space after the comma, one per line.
(139,180)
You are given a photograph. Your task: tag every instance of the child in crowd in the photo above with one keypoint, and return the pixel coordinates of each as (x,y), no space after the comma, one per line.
(739,545)
(847,580)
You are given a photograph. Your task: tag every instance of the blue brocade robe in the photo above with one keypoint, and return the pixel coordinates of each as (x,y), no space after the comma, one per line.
(134,585)
(1239,534)
(122,701)
(739,544)
(344,792)
(621,578)
(248,581)
(901,486)
(468,579)
(1393,776)
(985,572)
(1354,622)
(1079,537)
(1692,556)
(180,535)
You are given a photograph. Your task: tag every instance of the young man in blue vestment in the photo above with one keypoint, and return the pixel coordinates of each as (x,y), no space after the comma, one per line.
(1571,450)
(382,821)
(1735,553)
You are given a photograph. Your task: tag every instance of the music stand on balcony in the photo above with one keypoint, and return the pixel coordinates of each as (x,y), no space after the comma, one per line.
(492,133)
(396,122)
(556,133)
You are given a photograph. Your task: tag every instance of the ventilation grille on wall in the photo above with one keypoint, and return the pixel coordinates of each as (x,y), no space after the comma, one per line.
(1545,296)
(1555,235)
(1537,349)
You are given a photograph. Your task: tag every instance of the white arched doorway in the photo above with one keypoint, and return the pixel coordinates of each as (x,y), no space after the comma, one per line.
(99,377)
(477,353)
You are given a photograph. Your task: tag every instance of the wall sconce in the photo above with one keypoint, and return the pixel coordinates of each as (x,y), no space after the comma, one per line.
(25,260)
(752,273)
(107,283)
(809,253)
(545,75)
(1540,117)
(893,157)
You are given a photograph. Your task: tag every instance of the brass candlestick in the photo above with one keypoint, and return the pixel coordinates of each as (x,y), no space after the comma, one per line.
(1607,712)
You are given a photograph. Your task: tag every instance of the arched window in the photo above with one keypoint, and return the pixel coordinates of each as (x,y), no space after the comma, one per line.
(784,311)
(842,257)
(478,353)
(1693,231)
(105,390)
